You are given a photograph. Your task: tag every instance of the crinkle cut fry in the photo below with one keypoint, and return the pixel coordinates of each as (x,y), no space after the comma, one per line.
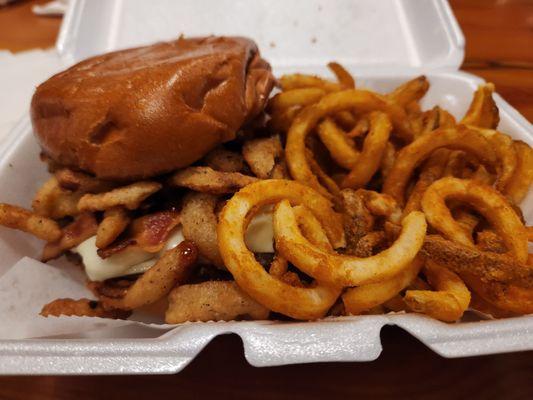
(24,220)
(81,308)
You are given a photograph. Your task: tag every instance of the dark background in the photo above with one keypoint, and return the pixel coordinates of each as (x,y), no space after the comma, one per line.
(499,37)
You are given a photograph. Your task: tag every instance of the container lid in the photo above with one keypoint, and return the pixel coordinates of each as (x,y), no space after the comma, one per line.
(362,34)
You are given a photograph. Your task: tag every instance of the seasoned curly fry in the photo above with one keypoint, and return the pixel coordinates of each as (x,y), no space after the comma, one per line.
(410,91)
(374,146)
(432,170)
(519,183)
(130,197)
(449,301)
(412,155)
(114,223)
(346,80)
(365,297)
(487,201)
(341,148)
(298,302)
(297,81)
(306,121)
(344,270)
(296,97)
(483,111)
(18,218)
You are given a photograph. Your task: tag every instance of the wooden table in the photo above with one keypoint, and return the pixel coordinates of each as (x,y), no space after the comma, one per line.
(499,37)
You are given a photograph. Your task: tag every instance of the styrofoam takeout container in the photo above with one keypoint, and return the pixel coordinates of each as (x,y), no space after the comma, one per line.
(383,43)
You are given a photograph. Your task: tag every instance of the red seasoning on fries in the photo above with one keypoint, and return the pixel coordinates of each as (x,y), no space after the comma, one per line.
(181,181)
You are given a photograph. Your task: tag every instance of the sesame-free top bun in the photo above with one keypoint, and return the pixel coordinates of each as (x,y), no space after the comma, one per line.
(141,112)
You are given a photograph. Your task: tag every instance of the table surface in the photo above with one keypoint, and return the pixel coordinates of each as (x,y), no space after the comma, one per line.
(499,48)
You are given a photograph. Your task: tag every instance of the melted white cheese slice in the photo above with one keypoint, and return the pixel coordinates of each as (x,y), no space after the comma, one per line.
(259,238)
(127,262)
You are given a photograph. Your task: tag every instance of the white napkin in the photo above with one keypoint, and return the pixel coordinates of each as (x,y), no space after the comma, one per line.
(52,8)
(19,76)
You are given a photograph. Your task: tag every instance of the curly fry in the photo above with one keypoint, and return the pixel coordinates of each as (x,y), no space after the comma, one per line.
(449,301)
(487,201)
(412,155)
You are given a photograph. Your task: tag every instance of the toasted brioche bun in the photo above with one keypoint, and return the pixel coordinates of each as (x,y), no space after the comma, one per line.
(141,112)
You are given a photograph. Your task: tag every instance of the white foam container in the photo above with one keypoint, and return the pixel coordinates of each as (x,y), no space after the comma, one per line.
(383,43)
